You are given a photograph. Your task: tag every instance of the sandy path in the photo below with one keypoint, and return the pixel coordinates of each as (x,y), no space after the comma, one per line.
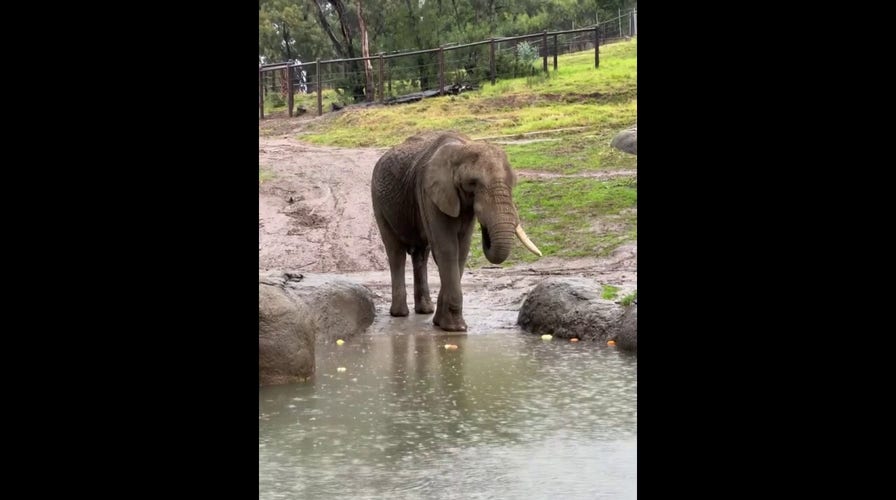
(315,213)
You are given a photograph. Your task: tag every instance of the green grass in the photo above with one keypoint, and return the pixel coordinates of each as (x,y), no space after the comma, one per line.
(609,292)
(616,75)
(628,299)
(264,175)
(570,153)
(576,95)
(328,97)
(570,217)
(276,104)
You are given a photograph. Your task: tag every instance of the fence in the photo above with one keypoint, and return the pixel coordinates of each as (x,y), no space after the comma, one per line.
(413,75)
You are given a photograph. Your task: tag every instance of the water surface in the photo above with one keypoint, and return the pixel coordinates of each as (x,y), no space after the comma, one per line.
(505,416)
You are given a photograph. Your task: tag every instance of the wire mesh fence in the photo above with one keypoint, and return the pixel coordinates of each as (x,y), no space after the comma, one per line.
(450,69)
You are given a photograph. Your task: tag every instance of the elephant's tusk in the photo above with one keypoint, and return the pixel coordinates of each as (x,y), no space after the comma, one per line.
(526,241)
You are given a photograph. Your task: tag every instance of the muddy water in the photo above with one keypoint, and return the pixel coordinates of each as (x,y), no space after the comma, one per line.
(505,415)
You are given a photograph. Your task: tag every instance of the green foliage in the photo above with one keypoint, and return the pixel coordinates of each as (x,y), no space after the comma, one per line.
(518,62)
(396,25)
(294,21)
(275,99)
(609,292)
(526,53)
(264,174)
(628,299)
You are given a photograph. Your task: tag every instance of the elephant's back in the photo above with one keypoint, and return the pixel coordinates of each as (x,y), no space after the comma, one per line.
(396,169)
(392,190)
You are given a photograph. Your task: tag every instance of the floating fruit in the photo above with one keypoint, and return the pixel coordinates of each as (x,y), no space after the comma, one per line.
(573,339)
(546,337)
(611,342)
(450,347)
(339,341)
(340,369)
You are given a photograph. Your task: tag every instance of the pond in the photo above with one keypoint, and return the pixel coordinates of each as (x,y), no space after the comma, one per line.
(504,415)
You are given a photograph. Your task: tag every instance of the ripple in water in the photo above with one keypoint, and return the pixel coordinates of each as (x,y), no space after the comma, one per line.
(504,416)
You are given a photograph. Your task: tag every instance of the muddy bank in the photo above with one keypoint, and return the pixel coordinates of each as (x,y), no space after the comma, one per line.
(315,215)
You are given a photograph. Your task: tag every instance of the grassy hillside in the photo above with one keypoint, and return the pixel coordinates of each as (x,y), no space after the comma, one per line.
(576,95)
(560,123)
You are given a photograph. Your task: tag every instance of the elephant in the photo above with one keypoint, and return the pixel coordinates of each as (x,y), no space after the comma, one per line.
(426,192)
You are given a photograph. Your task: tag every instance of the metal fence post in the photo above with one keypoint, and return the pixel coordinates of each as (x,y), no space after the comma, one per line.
(491,61)
(620,22)
(382,87)
(320,109)
(544,49)
(289,97)
(555,52)
(635,21)
(261,92)
(596,46)
(441,71)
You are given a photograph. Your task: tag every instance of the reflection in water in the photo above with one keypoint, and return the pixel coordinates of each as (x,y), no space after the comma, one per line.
(506,415)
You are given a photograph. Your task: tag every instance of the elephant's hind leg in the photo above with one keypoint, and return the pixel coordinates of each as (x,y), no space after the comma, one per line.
(397,255)
(399,293)
(422,300)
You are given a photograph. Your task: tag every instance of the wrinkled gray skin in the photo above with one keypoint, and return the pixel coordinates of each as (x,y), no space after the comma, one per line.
(426,193)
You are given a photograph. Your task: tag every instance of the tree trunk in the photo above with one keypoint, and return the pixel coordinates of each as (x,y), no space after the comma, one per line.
(346,48)
(322,19)
(414,24)
(365,52)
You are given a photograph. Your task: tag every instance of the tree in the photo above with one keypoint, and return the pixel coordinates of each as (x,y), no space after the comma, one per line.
(286,30)
(354,29)
(365,52)
(331,13)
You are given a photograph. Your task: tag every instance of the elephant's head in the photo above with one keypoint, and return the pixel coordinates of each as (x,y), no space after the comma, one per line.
(461,174)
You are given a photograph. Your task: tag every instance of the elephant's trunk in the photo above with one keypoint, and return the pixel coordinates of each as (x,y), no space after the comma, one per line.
(501,226)
(497,241)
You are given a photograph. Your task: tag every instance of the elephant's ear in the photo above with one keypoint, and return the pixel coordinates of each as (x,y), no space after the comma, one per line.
(438,178)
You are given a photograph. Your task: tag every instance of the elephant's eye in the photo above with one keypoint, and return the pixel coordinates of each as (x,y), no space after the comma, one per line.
(470,185)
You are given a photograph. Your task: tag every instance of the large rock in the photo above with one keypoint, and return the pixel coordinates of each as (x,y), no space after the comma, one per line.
(627,336)
(341,307)
(285,337)
(572,307)
(295,311)
(627,140)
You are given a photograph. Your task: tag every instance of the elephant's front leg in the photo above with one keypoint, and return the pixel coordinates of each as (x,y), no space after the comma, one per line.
(422,300)
(450,306)
(464,236)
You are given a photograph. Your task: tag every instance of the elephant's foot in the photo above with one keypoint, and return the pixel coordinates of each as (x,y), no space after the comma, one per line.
(450,324)
(399,310)
(424,307)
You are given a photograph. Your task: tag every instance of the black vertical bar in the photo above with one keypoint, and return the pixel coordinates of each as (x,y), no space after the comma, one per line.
(289,88)
(596,47)
(382,87)
(319,90)
(544,49)
(441,71)
(261,93)
(555,52)
(491,61)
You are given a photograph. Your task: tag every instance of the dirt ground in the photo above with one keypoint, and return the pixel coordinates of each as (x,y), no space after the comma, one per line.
(315,215)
